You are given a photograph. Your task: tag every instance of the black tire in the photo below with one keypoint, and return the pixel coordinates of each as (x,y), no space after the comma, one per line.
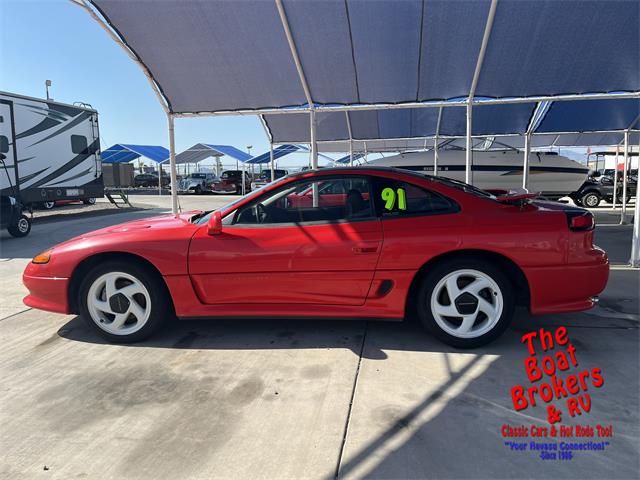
(161,305)
(89,201)
(198,190)
(436,274)
(590,199)
(48,205)
(21,228)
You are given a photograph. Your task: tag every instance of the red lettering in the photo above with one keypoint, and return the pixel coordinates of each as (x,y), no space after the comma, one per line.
(586,405)
(596,377)
(584,374)
(572,350)
(518,398)
(546,394)
(548,365)
(572,384)
(572,405)
(532,398)
(533,372)
(546,340)
(528,337)
(561,336)
(561,358)
(558,387)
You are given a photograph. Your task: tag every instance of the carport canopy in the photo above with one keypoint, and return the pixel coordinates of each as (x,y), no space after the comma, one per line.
(202,151)
(124,153)
(278,152)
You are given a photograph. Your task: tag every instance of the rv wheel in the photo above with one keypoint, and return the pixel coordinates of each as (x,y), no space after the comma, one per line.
(21,228)
(591,200)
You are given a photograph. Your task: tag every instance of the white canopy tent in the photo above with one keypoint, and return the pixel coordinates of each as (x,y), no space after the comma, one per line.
(465,56)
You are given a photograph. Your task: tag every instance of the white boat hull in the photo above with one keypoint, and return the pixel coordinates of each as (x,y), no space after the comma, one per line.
(553,175)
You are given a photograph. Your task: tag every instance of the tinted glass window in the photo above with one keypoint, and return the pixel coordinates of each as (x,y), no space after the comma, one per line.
(4,144)
(78,144)
(397,198)
(320,200)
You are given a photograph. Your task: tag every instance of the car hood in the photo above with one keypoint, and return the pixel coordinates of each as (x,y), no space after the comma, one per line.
(172,225)
(161,222)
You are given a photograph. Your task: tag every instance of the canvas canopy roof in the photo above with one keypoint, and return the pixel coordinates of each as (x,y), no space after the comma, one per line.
(386,52)
(202,151)
(123,153)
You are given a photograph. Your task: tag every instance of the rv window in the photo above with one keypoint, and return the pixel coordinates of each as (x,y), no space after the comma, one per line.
(78,144)
(4,144)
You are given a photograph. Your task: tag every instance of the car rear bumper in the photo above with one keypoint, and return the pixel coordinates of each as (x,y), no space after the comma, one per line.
(47,293)
(569,288)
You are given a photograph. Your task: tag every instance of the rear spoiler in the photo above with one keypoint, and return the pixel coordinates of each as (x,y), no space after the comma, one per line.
(518,198)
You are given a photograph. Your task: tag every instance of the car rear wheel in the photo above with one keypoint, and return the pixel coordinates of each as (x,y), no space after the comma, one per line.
(465,303)
(89,201)
(590,200)
(124,302)
(48,205)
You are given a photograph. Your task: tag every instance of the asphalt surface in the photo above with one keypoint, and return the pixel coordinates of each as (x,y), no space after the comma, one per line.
(294,399)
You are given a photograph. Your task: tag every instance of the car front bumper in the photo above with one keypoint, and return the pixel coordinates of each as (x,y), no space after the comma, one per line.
(47,293)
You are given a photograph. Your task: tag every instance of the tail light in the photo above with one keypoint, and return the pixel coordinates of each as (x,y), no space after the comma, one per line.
(580,221)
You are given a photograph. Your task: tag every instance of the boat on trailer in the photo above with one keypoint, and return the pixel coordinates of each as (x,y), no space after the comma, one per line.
(553,175)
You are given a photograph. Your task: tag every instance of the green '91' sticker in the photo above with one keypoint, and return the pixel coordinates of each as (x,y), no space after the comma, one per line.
(389,196)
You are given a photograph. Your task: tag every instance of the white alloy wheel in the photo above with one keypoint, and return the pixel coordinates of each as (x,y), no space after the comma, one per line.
(49,205)
(119,303)
(467,303)
(23,225)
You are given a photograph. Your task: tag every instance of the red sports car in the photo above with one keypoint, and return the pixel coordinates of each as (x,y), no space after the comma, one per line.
(387,243)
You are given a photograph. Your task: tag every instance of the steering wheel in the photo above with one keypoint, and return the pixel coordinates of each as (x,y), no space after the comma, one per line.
(261,212)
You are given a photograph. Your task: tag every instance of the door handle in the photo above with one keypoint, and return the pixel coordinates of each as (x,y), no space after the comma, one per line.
(361,249)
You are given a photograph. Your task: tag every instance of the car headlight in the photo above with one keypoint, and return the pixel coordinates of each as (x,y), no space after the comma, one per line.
(42,257)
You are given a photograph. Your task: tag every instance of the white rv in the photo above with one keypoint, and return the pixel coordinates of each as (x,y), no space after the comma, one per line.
(51,149)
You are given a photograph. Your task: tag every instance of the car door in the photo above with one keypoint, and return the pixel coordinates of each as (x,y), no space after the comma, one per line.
(271,251)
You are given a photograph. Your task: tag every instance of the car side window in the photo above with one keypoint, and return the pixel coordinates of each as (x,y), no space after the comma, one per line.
(395,198)
(321,200)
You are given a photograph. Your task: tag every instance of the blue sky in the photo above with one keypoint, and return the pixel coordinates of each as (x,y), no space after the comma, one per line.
(56,40)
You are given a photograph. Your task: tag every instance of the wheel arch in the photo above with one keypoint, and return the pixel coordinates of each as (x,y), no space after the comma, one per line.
(85,266)
(513,272)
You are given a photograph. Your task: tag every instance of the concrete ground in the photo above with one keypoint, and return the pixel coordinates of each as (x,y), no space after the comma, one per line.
(294,399)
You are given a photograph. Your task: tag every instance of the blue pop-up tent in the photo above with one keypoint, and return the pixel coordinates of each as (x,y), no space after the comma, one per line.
(123,153)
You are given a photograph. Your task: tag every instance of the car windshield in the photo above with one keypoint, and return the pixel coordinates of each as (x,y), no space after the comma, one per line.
(198,175)
(203,217)
(231,174)
(266,174)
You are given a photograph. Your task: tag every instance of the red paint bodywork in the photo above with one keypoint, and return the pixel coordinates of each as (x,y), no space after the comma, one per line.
(336,270)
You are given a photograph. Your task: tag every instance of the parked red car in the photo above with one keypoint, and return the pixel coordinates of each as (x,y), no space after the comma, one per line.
(231,182)
(391,242)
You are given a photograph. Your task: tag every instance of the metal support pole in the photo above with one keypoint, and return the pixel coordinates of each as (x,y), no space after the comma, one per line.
(525,166)
(615,178)
(623,215)
(634,261)
(435,144)
(314,155)
(172,163)
(271,160)
(314,144)
(159,179)
(351,153)
(468,176)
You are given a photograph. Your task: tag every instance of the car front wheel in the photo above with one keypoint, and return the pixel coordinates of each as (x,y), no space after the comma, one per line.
(465,303)
(124,302)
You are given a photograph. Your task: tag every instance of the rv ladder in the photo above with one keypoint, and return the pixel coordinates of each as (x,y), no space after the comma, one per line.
(118,198)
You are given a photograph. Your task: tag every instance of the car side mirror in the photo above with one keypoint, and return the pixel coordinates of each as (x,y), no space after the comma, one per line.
(215,223)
